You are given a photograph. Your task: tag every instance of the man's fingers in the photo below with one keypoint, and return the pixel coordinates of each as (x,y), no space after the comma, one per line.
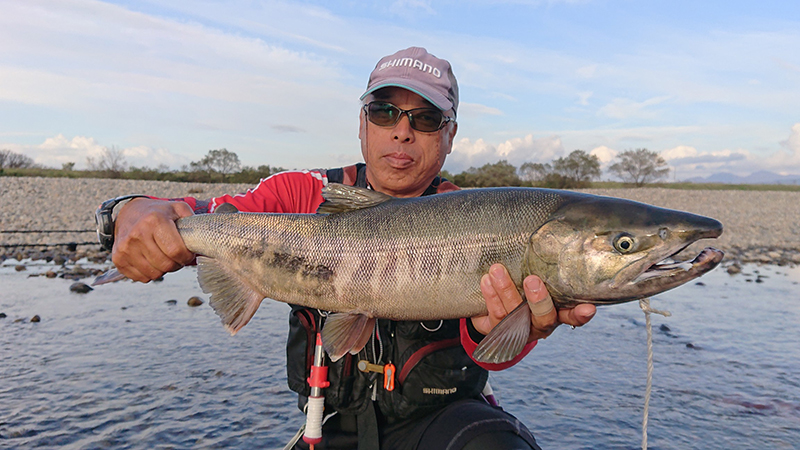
(504,287)
(577,316)
(544,317)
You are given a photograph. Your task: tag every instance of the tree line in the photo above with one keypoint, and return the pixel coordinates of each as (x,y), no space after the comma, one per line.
(217,166)
(577,170)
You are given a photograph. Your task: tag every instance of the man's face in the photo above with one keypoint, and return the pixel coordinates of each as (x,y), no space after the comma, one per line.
(402,161)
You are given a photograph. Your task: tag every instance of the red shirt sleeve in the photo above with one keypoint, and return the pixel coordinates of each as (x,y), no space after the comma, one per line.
(285,192)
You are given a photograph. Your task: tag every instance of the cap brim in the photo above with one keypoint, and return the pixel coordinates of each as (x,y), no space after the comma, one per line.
(421,89)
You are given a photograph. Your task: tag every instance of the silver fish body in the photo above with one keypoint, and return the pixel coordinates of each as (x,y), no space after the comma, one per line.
(422,258)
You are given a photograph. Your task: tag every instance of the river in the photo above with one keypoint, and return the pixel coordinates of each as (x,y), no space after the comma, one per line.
(122,367)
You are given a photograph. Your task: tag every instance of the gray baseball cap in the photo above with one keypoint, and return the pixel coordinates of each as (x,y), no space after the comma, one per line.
(421,73)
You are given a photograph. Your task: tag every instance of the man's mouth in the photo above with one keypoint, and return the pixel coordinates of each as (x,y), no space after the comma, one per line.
(399,160)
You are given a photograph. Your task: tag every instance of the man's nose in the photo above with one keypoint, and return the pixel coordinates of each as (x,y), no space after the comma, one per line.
(402,130)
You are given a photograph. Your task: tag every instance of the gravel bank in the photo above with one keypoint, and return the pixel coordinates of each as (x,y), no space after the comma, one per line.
(759,226)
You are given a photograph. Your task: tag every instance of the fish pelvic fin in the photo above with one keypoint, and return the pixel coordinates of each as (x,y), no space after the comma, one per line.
(232,298)
(507,339)
(110,276)
(341,198)
(346,333)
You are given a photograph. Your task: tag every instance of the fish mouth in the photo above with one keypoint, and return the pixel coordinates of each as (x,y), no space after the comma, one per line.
(669,272)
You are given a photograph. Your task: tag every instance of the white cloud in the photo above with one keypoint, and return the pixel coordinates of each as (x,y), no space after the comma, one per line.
(58,150)
(604,154)
(467,153)
(623,108)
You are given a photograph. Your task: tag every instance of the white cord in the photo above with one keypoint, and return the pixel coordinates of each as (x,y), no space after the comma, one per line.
(645,305)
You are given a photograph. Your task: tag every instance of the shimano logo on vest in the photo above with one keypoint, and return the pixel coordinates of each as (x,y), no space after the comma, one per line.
(413,63)
(439,391)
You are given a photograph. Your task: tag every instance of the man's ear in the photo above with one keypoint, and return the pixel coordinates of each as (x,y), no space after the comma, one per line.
(362,124)
(451,135)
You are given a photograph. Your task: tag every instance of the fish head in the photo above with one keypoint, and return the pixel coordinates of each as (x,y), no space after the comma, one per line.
(604,250)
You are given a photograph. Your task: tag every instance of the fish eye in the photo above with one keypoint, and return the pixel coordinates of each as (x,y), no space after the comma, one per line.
(624,243)
(662,233)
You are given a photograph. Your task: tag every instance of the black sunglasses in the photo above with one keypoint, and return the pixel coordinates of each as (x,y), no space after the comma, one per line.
(426,120)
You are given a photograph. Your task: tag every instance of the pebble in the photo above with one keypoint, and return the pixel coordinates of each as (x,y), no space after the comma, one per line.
(80,288)
(20,267)
(760,226)
(36,319)
(3,315)
(171,302)
(194,301)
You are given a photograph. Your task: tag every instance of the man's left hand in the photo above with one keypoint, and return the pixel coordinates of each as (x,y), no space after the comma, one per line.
(502,297)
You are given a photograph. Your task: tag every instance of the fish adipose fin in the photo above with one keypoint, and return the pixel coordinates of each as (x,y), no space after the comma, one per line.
(346,333)
(507,339)
(341,198)
(232,298)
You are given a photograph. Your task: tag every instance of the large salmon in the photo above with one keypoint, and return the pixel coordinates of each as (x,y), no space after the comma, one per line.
(368,255)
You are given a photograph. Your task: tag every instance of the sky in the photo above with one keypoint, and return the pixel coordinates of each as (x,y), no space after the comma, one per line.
(713,86)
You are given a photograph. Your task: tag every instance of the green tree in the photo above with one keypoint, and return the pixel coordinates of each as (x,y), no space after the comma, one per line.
(578,166)
(500,173)
(640,166)
(534,172)
(217,164)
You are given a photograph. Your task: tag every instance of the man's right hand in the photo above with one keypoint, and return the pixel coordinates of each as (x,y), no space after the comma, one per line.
(146,241)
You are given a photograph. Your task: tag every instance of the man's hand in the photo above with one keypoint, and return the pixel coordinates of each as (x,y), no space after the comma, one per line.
(502,297)
(147,243)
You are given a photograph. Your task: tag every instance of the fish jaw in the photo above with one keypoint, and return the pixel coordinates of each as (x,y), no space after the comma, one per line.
(579,257)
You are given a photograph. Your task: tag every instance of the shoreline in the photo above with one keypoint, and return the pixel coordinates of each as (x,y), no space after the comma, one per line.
(760,226)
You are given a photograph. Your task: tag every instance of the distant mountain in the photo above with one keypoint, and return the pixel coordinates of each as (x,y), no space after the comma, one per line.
(760,177)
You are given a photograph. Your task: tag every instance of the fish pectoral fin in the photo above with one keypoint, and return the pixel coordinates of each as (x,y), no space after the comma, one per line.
(341,198)
(507,338)
(232,298)
(346,333)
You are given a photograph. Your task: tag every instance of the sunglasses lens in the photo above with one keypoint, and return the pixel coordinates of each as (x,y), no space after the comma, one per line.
(426,120)
(422,119)
(383,114)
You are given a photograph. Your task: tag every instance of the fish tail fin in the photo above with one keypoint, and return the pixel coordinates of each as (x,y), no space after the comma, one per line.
(346,333)
(507,338)
(232,298)
(110,276)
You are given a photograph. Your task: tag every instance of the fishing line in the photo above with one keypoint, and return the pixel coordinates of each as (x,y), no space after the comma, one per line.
(644,304)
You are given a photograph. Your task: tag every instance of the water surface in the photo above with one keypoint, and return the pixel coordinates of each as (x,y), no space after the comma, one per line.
(123,368)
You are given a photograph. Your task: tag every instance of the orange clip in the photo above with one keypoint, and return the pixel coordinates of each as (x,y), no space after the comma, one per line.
(388,377)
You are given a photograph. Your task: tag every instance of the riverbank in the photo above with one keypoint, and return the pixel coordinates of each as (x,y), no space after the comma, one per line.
(760,226)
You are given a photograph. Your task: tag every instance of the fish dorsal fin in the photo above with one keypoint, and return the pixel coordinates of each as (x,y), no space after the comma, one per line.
(341,198)
(346,333)
(507,338)
(232,298)
(226,208)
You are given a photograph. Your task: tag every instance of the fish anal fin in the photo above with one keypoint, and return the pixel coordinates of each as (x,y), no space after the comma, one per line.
(341,198)
(507,338)
(232,298)
(346,333)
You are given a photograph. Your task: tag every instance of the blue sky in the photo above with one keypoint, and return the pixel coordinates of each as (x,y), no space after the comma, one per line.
(713,86)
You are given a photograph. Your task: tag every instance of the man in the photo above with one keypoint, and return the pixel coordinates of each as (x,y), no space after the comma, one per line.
(407,127)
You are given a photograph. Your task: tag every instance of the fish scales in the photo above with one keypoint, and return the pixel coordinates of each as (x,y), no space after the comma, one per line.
(382,260)
(420,259)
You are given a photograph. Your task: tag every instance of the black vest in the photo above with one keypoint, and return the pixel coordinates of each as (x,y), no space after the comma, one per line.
(432,368)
